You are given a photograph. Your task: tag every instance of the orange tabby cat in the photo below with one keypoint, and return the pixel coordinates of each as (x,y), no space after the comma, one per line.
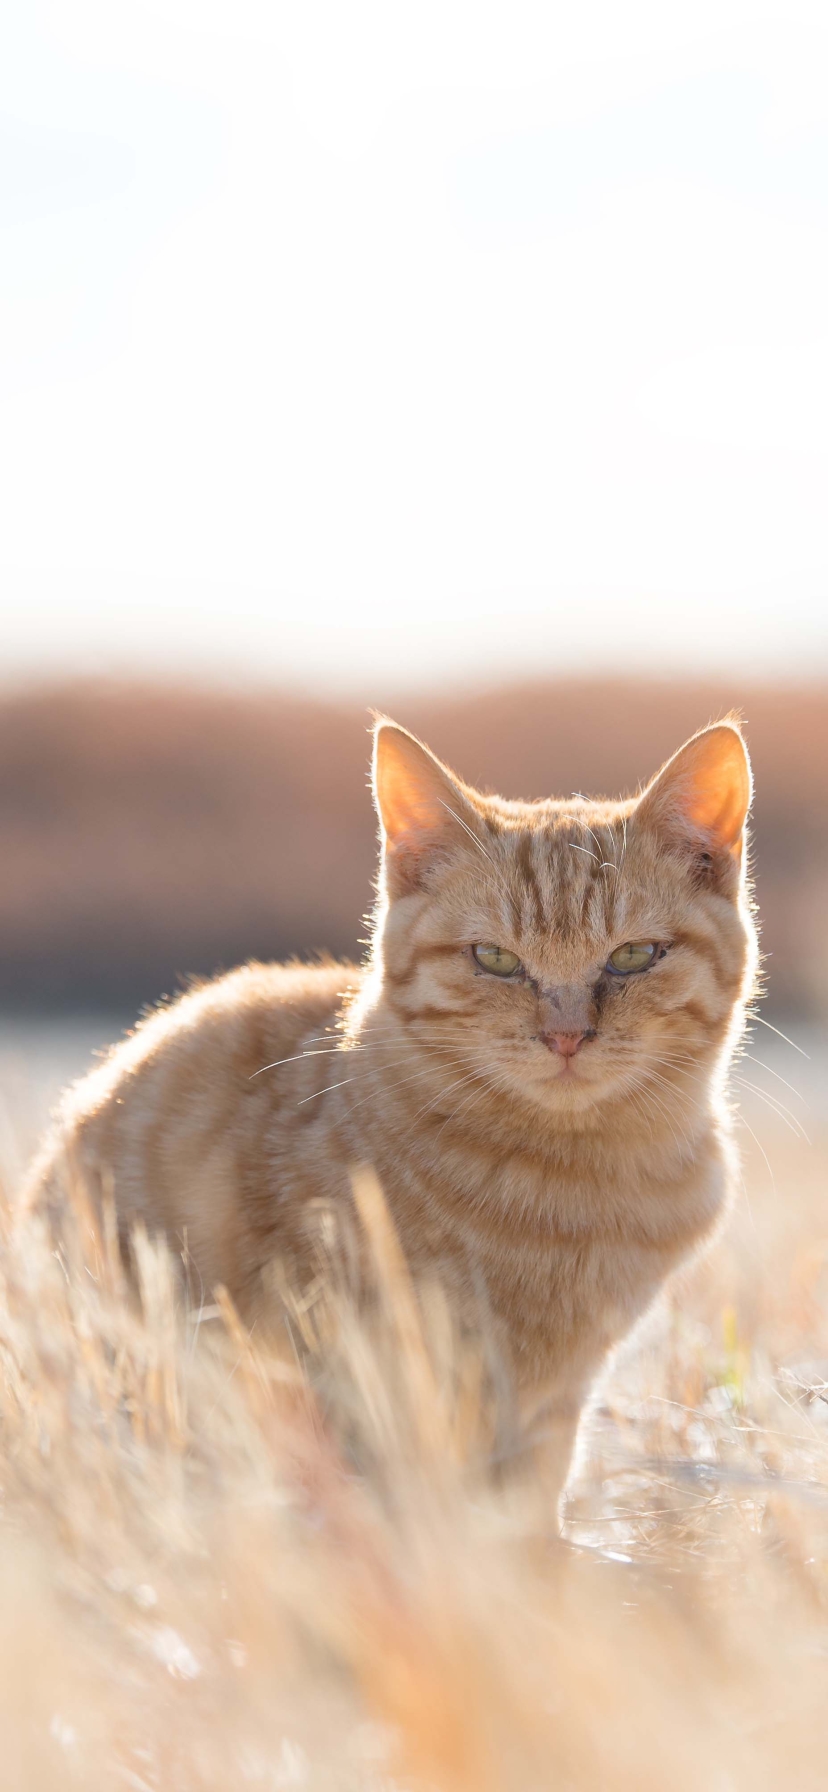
(533,1061)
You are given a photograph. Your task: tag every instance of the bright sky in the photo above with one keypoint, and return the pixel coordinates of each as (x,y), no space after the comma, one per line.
(367,344)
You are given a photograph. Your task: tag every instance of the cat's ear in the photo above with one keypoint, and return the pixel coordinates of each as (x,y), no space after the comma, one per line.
(424,812)
(703,793)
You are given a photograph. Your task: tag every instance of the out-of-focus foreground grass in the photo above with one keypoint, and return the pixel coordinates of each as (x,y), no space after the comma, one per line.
(225,1562)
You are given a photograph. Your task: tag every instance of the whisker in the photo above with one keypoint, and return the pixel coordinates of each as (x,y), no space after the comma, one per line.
(772,1102)
(766,1023)
(349,1047)
(771,1072)
(427,1107)
(346,1049)
(501,880)
(652,1074)
(455,1059)
(760,1147)
(606,864)
(300,1056)
(633,1092)
(661,1107)
(469,1076)
(326,1091)
(776,1107)
(651,1088)
(426,1070)
(372,1071)
(467,830)
(467,1102)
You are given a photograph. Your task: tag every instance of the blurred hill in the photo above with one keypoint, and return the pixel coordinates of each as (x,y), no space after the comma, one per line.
(150,833)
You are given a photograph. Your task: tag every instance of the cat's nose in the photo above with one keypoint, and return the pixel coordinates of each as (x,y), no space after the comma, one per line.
(567,1043)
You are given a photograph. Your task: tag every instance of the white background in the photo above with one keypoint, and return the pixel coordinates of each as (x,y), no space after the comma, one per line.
(359,345)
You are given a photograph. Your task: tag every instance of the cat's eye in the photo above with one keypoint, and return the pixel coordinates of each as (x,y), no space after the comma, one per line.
(634,955)
(496,960)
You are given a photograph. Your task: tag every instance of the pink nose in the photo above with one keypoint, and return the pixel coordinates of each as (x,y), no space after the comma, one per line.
(565,1043)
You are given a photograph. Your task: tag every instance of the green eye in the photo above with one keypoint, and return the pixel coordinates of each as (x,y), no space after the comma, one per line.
(496,960)
(634,956)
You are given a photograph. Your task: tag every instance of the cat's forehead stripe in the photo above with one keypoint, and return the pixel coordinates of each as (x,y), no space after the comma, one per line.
(561,875)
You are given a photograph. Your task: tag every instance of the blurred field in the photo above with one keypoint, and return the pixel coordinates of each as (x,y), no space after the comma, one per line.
(221,1569)
(146,834)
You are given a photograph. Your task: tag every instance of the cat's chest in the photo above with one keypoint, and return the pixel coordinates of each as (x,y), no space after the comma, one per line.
(524,1202)
(565,1258)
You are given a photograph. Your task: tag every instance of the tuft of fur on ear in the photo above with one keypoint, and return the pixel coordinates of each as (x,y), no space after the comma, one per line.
(424,811)
(703,794)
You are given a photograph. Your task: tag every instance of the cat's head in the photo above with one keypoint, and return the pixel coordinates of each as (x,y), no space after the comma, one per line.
(571,945)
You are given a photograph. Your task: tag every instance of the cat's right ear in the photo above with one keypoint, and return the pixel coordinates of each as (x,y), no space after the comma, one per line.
(703,794)
(424,812)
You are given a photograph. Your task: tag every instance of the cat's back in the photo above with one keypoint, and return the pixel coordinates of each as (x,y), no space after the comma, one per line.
(167,1117)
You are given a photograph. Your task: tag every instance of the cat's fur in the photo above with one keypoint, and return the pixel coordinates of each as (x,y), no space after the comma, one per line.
(554,1190)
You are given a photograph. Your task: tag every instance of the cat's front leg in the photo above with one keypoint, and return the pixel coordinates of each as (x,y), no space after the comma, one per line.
(550,1422)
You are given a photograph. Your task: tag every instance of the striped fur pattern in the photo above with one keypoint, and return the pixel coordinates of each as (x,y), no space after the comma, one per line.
(551,1185)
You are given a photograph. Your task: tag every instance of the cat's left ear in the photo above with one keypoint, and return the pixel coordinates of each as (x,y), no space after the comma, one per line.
(425,813)
(703,793)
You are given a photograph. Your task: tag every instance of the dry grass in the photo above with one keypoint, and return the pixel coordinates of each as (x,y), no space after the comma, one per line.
(220,1568)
